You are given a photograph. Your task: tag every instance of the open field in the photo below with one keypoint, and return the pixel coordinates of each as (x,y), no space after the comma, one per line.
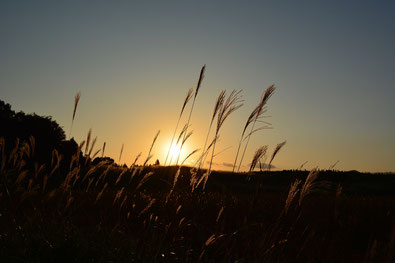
(107,213)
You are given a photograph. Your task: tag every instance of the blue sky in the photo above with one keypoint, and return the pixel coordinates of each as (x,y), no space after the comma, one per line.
(332,63)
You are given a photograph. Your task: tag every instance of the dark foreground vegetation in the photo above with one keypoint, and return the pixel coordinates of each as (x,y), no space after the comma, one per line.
(84,212)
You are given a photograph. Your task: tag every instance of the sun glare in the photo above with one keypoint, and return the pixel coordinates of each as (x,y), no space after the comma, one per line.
(174,153)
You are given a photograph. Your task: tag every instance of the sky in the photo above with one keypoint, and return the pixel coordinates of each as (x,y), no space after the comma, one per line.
(332,62)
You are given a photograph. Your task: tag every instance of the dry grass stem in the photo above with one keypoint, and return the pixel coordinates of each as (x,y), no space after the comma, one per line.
(153,200)
(92,146)
(104,148)
(201,76)
(124,170)
(76,101)
(308,184)
(218,104)
(120,154)
(145,179)
(186,100)
(259,153)
(293,191)
(135,160)
(150,150)
(275,152)
(230,105)
(254,117)
(88,139)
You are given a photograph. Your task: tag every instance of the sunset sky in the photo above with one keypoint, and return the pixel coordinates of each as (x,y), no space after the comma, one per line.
(333,63)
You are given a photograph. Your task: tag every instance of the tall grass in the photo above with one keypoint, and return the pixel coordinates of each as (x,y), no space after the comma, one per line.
(201,77)
(120,154)
(186,100)
(230,105)
(218,105)
(149,156)
(275,152)
(76,101)
(259,154)
(254,117)
(103,149)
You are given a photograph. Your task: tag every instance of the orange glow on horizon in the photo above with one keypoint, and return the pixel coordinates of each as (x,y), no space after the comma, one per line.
(176,154)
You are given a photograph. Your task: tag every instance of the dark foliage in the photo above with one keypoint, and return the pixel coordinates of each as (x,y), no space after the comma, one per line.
(47,133)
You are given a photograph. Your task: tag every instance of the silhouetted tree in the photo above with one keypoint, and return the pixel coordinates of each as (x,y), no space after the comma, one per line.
(47,132)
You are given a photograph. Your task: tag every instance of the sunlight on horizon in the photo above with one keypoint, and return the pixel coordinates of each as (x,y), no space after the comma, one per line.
(176,154)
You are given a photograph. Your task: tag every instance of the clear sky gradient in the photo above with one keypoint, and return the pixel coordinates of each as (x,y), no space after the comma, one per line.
(333,63)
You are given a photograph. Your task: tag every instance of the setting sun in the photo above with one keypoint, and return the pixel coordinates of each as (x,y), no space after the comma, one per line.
(175,154)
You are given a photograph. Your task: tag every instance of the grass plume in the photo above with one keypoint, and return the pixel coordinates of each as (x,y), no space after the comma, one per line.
(254,117)
(149,156)
(88,139)
(259,153)
(201,77)
(76,101)
(104,148)
(231,104)
(308,184)
(120,154)
(218,104)
(186,100)
(275,152)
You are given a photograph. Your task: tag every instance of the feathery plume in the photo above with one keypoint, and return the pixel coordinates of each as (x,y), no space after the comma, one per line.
(201,77)
(186,100)
(231,104)
(76,100)
(308,184)
(88,139)
(93,145)
(260,152)
(104,148)
(202,71)
(150,150)
(276,150)
(293,191)
(217,106)
(120,154)
(254,117)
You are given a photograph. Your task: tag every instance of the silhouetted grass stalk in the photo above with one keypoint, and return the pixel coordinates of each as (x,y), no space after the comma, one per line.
(120,154)
(88,139)
(260,152)
(76,100)
(186,100)
(193,104)
(104,148)
(275,152)
(231,104)
(259,111)
(217,107)
(150,150)
(178,174)
(249,121)
(181,135)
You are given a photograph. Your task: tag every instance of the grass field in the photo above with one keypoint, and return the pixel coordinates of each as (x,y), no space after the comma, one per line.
(107,213)
(72,207)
